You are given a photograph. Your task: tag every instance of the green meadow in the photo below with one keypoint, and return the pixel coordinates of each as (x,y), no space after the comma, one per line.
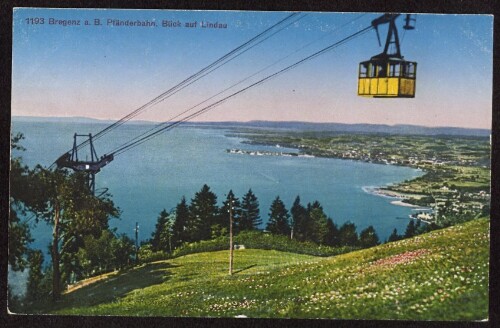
(441,275)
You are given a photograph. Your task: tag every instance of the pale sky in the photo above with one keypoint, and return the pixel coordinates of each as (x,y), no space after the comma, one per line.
(106,72)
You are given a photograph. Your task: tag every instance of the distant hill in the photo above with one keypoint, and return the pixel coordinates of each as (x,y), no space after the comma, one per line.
(292,126)
(354,128)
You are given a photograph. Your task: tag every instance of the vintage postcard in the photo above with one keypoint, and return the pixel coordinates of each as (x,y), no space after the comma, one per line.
(239,164)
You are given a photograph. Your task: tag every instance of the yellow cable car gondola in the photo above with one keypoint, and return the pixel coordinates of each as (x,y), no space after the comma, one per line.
(388,75)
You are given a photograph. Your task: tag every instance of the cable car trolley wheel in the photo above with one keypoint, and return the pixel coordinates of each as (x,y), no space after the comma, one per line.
(388,75)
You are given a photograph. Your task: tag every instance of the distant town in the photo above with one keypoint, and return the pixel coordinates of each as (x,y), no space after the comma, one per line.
(456,179)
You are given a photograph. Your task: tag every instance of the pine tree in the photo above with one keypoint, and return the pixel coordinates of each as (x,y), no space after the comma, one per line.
(394,236)
(410,229)
(162,225)
(332,235)
(310,223)
(224,213)
(278,218)
(348,234)
(298,220)
(318,225)
(315,204)
(250,213)
(179,228)
(368,238)
(204,214)
(420,228)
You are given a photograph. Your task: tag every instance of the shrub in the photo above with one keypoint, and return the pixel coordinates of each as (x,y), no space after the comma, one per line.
(146,254)
(217,244)
(260,240)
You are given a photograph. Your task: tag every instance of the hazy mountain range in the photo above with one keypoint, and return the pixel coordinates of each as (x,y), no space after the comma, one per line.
(291,125)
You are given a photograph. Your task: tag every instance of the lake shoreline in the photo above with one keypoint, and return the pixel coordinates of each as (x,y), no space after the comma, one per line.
(398,197)
(401,203)
(212,164)
(378,191)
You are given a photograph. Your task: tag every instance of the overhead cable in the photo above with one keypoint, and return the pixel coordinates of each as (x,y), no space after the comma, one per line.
(219,102)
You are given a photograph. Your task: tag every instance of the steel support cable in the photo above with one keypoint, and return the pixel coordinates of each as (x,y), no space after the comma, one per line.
(219,102)
(195,77)
(234,85)
(203,72)
(157,101)
(188,81)
(207,108)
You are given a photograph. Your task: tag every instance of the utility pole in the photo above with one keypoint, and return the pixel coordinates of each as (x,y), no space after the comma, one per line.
(136,242)
(231,247)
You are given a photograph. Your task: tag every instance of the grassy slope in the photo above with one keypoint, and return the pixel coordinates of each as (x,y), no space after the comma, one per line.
(442,275)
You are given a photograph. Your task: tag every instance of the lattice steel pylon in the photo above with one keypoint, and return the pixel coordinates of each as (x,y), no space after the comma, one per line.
(90,167)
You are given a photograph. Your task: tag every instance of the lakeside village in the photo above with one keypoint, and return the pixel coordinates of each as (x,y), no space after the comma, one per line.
(454,186)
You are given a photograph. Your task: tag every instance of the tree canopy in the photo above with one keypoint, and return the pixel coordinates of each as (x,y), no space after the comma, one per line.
(20,203)
(250,212)
(348,234)
(368,238)
(161,238)
(204,213)
(63,200)
(278,218)
(233,203)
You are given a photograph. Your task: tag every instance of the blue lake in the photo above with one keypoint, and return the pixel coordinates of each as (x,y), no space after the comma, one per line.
(155,175)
